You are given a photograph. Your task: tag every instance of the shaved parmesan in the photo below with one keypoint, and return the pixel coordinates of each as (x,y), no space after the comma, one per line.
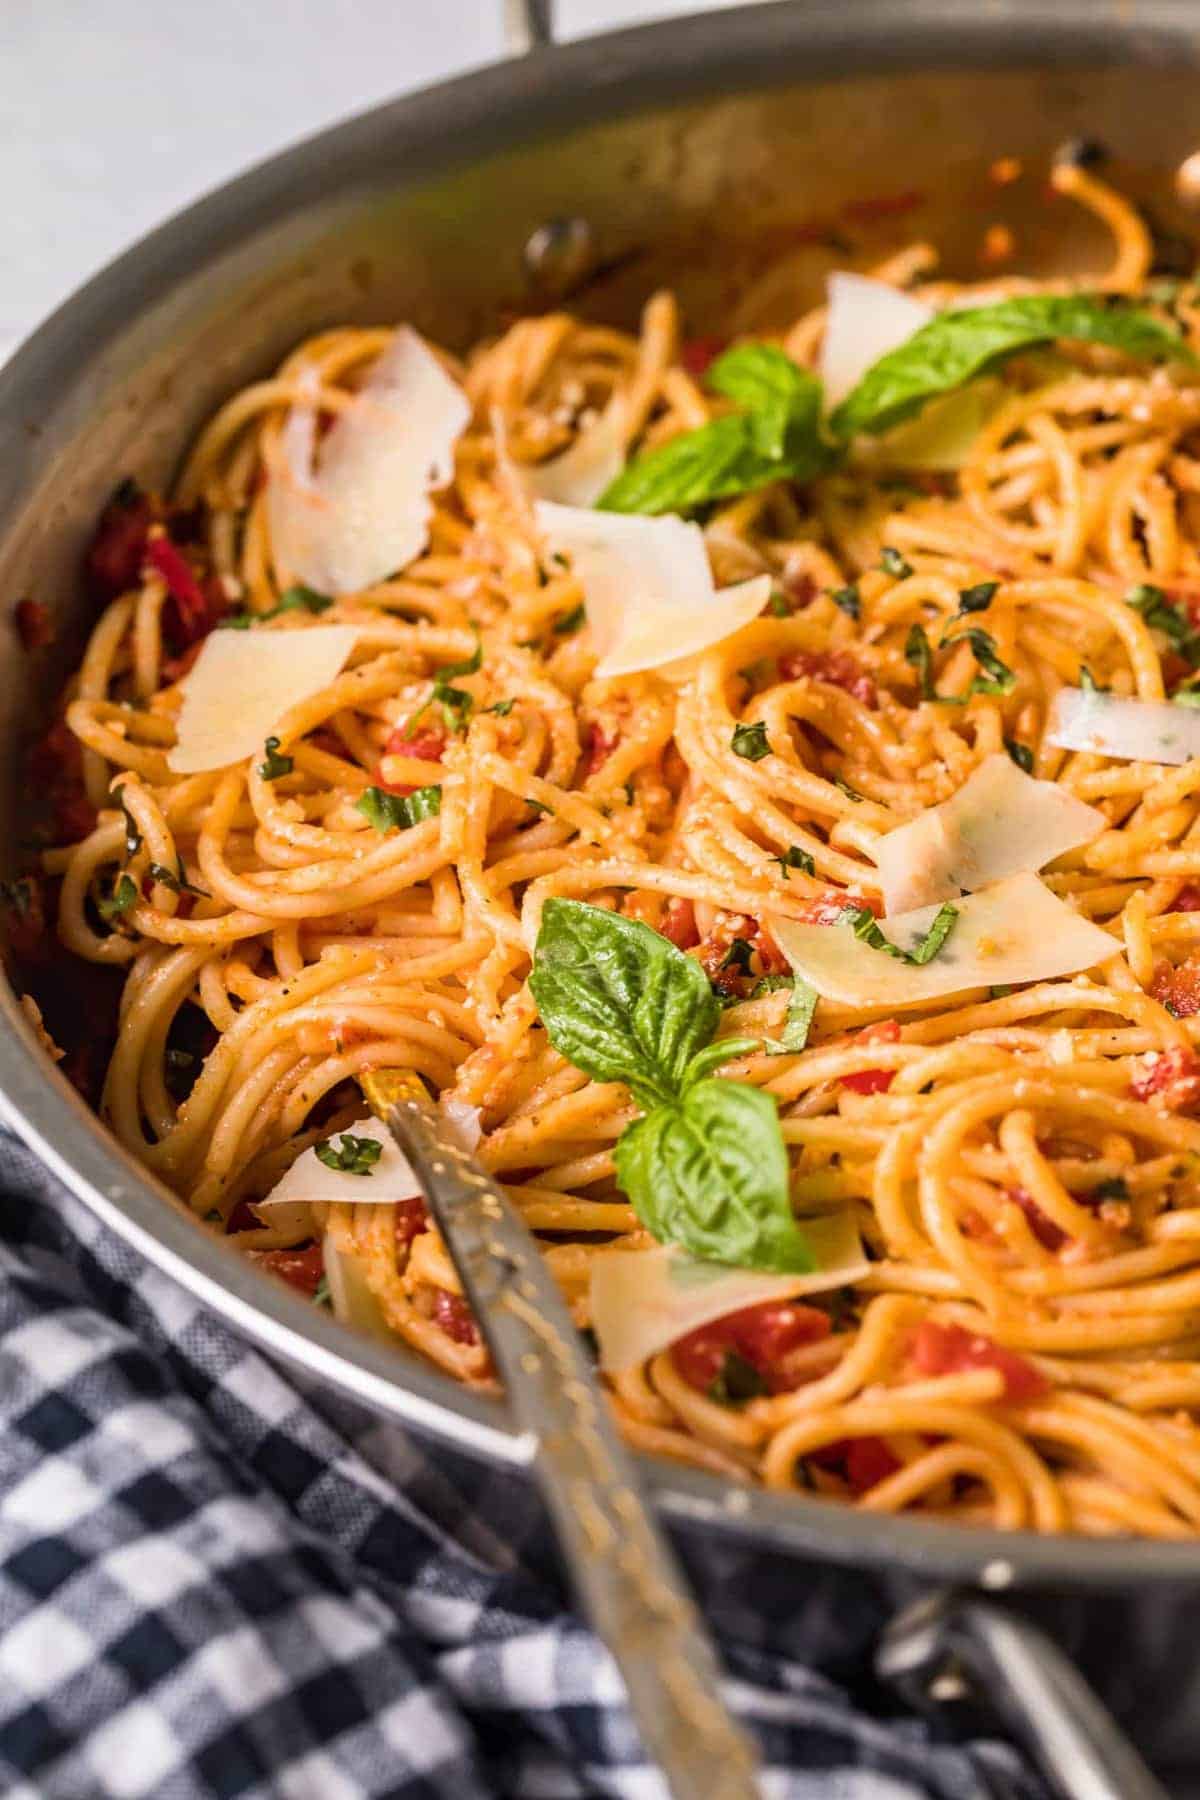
(865,320)
(363,511)
(651,601)
(943,434)
(592,463)
(1013,932)
(463,1122)
(999,823)
(242,684)
(643,1301)
(1154,731)
(352,1300)
(390,1179)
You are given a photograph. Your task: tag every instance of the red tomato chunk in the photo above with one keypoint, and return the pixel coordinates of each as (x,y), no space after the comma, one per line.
(1168,1079)
(874,1081)
(301,1269)
(763,1335)
(452,1313)
(427,745)
(1178,988)
(679,924)
(862,1462)
(1047,1233)
(411,1220)
(837,667)
(949,1350)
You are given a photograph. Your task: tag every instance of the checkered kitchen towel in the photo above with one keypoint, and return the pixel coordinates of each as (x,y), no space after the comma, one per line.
(212,1585)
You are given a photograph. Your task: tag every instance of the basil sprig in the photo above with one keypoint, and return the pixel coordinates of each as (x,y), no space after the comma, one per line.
(399,812)
(956,346)
(706,1166)
(776,436)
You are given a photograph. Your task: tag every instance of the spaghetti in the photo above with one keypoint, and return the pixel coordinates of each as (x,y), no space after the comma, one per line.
(1024,1166)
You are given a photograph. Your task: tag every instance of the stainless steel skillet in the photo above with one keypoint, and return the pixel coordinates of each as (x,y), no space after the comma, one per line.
(690,151)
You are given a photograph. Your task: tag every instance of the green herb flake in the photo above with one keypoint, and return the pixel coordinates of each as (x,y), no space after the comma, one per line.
(977,598)
(1115,1188)
(123,896)
(502,708)
(739,955)
(997,677)
(353,1156)
(736,1381)
(847,600)
(273,766)
(321,1294)
(1171,617)
(795,858)
(1001,991)
(571,622)
(750,742)
(1021,754)
(301,599)
(851,793)
(176,879)
(894,564)
(798,1024)
(778,606)
(865,926)
(918,654)
(399,812)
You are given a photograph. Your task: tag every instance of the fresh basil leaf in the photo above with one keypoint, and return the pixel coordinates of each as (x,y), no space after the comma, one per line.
(618,1000)
(795,858)
(710,1172)
(893,563)
(1021,754)
(997,677)
(750,742)
(123,896)
(273,766)
(943,924)
(847,600)
(721,1050)
(955,346)
(736,1381)
(977,598)
(918,654)
(779,438)
(798,1024)
(399,812)
(353,1156)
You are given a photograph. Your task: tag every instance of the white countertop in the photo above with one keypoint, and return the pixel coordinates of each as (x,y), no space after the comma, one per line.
(115,113)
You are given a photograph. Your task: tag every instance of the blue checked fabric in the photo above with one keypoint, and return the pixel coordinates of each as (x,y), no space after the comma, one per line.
(214,1586)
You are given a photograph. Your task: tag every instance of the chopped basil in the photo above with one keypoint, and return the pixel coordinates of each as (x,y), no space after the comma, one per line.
(957,345)
(997,677)
(1021,754)
(851,793)
(321,1293)
(919,656)
(847,600)
(739,955)
(1171,617)
(1001,991)
(892,563)
(294,599)
(795,858)
(1115,1188)
(770,984)
(133,837)
(399,812)
(273,765)
(798,1023)
(123,896)
(778,606)
(865,926)
(977,598)
(750,742)
(736,1381)
(176,879)
(502,708)
(571,622)
(353,1156)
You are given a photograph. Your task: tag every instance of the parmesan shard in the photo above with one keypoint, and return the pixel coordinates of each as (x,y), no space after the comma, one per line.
(350,1295)
(1153,731)
(864,321)
(651,600)
(582,472)
(642,1301)
(355,508)
(943,433)
(308,1179)
(243,684)
(1016,931)
(999,823)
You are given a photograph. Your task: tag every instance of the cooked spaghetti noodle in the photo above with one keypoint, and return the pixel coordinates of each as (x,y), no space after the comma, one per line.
(1021,1353)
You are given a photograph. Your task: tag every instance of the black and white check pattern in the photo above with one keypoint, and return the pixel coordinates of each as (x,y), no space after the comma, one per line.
(213,1587)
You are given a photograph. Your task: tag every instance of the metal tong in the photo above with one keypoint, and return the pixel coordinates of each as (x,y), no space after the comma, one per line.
(626,1575)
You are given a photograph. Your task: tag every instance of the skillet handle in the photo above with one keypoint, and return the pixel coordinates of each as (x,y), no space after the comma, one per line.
(528,25)
(951,1647)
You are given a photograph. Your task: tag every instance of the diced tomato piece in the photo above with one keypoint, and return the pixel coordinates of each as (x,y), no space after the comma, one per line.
(598,745)
(679,923)
(454,1316)
(861,1461)
(835,667)
(412,1219)
(35,628)
(427,744)
(301,1269)
(874,1081)
(883,206)
(949,1350)
(193,608)
(1178,987)
(829,908)
(1047,1233)
(761,1334)
(114,559)
(698,353)
(1168,1079)
(1187,899)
